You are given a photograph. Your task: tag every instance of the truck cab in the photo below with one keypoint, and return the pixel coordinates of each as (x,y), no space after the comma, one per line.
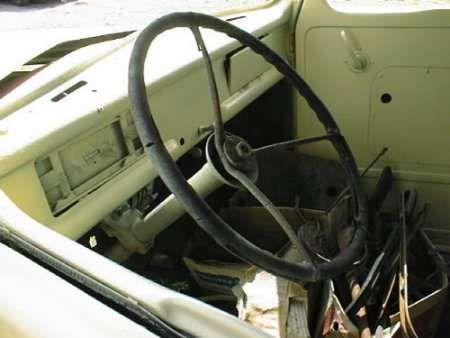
(280,169)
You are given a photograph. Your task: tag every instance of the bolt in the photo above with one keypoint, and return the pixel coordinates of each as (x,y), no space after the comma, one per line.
(243,149)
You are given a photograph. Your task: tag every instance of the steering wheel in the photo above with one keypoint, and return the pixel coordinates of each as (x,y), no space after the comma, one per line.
(236,160)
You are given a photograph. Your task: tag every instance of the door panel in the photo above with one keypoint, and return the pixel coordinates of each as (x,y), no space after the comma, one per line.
(409,114)
(386,79)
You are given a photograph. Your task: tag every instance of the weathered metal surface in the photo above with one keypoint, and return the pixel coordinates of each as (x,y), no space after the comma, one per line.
(405,318)
(335,323)
(426,312)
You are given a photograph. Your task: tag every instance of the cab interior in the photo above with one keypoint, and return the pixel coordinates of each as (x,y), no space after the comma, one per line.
(80,195)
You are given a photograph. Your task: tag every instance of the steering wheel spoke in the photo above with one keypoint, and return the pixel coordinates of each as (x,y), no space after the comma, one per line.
(253,189)
(294,143)
(219,129)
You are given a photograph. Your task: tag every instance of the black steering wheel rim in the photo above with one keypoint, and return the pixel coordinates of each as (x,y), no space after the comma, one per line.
(205,217)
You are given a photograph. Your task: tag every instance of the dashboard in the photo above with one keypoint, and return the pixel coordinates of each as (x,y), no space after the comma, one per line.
(71,156)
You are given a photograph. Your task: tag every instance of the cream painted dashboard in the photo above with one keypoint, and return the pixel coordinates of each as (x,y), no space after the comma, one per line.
(70,155)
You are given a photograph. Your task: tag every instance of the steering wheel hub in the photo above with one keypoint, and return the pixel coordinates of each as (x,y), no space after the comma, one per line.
(238,153)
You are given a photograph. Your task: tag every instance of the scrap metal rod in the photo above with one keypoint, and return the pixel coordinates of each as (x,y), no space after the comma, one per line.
(346,190)
(405,318)
(372,276)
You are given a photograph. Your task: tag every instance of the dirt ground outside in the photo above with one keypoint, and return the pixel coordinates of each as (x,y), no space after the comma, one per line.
(59,14)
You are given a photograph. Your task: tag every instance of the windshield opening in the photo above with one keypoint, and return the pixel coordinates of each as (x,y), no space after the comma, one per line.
(57,14)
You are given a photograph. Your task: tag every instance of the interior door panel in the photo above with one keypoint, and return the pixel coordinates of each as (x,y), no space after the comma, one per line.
(385,77)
